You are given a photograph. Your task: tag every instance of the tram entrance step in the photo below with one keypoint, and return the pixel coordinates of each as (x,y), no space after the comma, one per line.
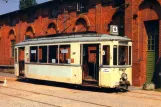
(90,82)
(89,78)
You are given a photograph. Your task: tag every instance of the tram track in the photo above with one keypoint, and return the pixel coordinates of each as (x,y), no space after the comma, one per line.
(140,96)
(143,97)
(38,93)
(145,93)
(29,99)
(120,94)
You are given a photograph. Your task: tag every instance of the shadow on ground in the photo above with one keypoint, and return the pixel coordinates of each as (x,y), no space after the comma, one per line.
(72,86)
(1,82)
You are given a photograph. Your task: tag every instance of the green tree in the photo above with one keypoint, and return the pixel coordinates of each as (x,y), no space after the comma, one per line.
(26,3)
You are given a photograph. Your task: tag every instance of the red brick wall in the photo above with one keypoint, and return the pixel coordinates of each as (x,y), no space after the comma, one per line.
(92,55)
(138,12)
(21,54)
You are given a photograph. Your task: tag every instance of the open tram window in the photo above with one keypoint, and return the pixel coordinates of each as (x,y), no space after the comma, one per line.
(115,55)
(64,54)
(42,54)
(53,54)
(123,55)
(106,55)
(33,54)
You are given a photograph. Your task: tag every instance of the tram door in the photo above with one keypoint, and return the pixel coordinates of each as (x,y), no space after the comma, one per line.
(21,61)
(90,63)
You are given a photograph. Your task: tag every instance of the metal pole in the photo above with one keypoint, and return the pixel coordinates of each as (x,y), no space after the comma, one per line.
(94,70)
(47,54)
(95,18)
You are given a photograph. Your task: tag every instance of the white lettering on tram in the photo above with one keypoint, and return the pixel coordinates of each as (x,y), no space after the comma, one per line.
(64,51)
(33,51)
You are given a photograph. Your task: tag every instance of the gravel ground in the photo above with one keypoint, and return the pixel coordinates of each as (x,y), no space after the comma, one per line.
(37,94)
(8,76)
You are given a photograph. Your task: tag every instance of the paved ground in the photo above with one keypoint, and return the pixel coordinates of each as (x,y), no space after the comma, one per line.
(8,76)
(46,94)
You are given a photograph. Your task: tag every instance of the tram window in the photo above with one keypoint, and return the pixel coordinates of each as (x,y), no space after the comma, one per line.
(129,55)
(64,54)
(21,56)
(33,54)
(115,55)
(53,54)
(123,55)
(15,55)
(43,54)
(106,55)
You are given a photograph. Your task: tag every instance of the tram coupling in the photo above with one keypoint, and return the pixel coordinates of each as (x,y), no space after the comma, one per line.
(124,83)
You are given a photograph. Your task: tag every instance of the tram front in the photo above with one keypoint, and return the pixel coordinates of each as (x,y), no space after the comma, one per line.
(116,64)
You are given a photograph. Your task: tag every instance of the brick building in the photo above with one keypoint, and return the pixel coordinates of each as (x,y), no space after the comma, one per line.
(143,26)
(137,19)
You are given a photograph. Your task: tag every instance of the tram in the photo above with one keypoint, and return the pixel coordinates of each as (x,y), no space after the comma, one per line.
(99,60)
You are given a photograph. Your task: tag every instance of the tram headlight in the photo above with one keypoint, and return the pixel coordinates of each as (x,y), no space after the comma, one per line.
(124,76)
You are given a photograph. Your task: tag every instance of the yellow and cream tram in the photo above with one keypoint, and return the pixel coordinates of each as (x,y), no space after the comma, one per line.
(87,59)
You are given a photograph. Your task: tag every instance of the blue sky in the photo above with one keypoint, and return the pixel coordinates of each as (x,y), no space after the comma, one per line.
(12,5)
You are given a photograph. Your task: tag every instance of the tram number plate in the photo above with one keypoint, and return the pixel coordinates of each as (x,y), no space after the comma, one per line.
(106,70)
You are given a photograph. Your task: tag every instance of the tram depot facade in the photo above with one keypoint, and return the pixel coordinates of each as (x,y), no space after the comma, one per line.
(139,20)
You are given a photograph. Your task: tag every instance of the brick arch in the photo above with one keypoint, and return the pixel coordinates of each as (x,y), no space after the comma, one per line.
(30,32)
(144,6)
(147,10)
(143,1)
(82,24)
(85,18)
(12,34)
(52,28)
(139,2)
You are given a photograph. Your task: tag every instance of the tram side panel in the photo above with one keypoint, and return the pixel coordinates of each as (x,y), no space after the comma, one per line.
(16,65)
(16,69)
(69,73)
(75,60)
(53,73)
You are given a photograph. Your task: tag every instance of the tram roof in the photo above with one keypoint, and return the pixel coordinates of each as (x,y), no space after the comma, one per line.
(73,38)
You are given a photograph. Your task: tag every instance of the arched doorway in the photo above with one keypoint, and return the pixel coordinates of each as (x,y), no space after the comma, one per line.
(148,39)
(29,32)
(152,30)
(12,42)
(12,37)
